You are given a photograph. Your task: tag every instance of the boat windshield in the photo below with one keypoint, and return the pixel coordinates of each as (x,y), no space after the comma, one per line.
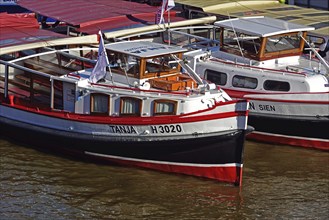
(164,63)
(259,48)
(125,64)
(238,43)
(282,42)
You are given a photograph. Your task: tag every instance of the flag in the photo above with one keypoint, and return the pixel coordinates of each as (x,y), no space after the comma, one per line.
(158,16)
(167,5)
(99,70)
(170,5)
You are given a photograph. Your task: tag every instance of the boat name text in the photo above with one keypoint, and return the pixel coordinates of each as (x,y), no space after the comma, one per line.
(123,129)
(267,108)
(129,129)
(166,129)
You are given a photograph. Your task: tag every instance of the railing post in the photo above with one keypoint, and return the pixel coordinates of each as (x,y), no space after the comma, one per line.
(6,80)
(52,93)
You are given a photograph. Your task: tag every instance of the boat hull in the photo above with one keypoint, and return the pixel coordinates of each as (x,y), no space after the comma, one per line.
(295,119)
(300,119)
(217,155)
(309,132)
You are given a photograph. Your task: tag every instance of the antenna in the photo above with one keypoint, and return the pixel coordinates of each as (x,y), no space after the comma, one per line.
(236,36)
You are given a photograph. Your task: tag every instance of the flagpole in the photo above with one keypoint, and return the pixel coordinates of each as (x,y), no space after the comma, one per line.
(169,38)
(166,6)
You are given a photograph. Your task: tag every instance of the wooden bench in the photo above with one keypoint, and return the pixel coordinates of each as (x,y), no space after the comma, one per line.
(173,83)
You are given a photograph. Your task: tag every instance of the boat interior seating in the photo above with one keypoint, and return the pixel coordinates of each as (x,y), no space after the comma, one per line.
(173,83)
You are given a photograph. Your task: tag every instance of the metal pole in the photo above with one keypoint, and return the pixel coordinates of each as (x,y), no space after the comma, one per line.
(315,52)
(52,93)
(6,80)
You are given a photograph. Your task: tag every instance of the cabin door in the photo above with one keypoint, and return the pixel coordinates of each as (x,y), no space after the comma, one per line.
(69,96)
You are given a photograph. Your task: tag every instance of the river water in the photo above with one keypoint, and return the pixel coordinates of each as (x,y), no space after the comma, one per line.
(280,182)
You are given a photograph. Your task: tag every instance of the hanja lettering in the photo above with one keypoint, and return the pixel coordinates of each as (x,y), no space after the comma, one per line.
(123,129)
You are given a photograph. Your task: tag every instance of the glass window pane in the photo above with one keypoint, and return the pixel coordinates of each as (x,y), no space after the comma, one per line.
(280,43)
(218,78)
(100,103)
(244,82)
(164,107)
(273,85)
(130,106)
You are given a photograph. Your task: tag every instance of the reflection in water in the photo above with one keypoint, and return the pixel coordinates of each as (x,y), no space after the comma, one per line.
(279,182)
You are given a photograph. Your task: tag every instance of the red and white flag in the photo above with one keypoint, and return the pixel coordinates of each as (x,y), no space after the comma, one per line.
(99,70)
(167,5)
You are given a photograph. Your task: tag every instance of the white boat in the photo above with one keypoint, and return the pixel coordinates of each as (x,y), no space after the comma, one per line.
(267,61)
(143,111)
(264,60)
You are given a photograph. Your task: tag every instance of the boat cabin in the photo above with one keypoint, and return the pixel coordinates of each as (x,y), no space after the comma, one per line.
(143,79)
(259,54)
(261,38)
(148,64)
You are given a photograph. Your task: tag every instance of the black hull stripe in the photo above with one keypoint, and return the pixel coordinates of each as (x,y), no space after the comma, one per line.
(299,127)
(216,149)
(166,163)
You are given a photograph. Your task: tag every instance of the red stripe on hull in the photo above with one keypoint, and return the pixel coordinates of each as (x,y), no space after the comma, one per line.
(229,174)
(237,94)
(307,143)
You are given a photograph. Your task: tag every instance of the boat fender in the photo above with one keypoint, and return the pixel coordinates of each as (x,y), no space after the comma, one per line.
(211,86)
(145,86)
(11,99)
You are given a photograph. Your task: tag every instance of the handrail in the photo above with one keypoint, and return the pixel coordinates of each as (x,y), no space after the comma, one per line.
(60,52)
(256,67)
(143,90)
(315,52)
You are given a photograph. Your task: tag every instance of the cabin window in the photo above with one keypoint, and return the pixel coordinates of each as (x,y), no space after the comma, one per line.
(273,85)
(230,39)
(161,64)
(241,44)
(125,64)
(99,104)
(216,77)
(130,106)
(199,36)
(244,82)
(316,40)
(279,43)
(165,107)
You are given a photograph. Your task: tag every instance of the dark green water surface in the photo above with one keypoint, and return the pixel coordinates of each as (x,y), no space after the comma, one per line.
(279,182)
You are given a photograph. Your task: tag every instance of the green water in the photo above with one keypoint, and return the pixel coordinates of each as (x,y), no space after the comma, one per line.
(279,182)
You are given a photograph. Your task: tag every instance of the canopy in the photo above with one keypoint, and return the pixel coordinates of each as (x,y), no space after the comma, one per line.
(93,15)
(123,22)
(319,19)
(261,26)
(26,20)
(21,32)
(143,48)
(76,12)
(19,29)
